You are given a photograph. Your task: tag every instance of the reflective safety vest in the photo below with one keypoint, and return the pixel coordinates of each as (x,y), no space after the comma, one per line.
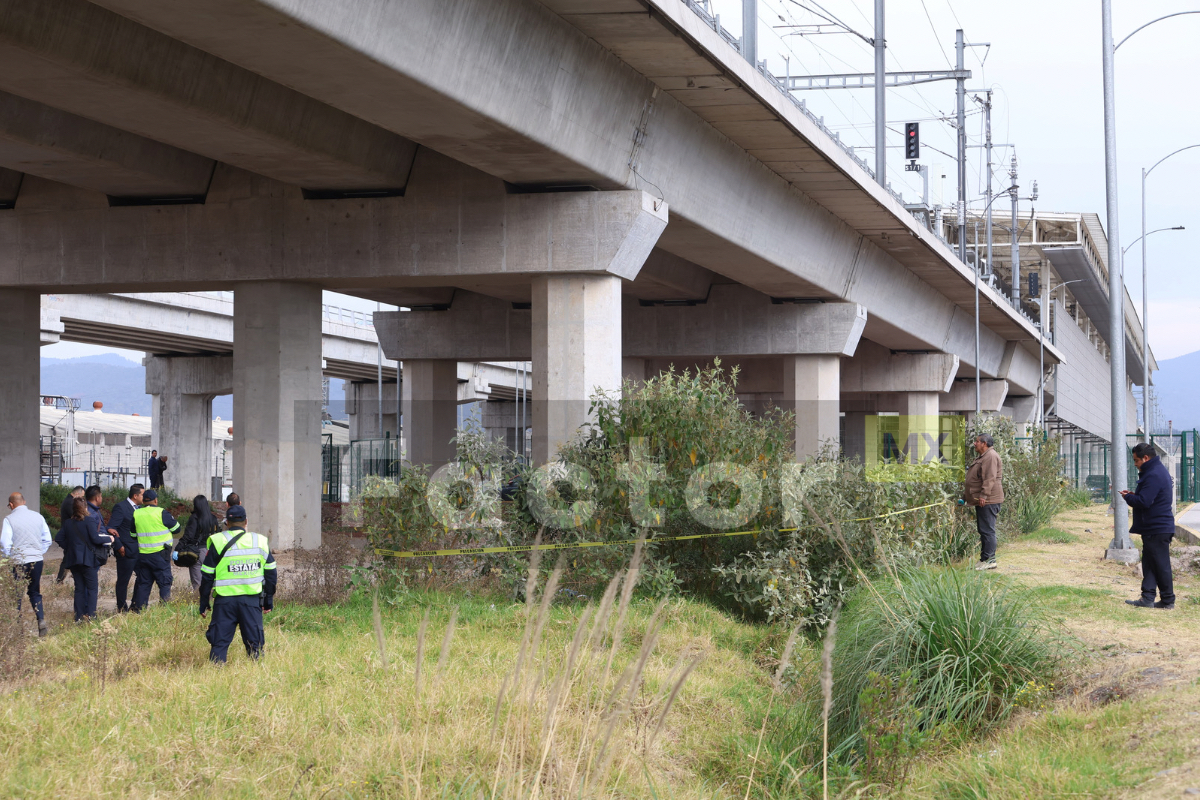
(240,572)
(151,532)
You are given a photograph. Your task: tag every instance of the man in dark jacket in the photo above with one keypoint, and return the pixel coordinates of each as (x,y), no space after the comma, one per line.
(1152,518)
(120,525)
(152,470)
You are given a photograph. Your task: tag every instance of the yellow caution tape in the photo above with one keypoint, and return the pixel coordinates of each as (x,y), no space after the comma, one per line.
(525,548)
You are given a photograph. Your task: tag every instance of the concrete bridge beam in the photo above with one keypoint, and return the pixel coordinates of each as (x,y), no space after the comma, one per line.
(183,389)
(277,410)
(454,226)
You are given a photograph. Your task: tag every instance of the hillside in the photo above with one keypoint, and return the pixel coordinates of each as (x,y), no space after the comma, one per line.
(1178,386)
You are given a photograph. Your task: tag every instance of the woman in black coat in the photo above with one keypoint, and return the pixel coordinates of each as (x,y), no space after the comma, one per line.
(79,539)
(200,525)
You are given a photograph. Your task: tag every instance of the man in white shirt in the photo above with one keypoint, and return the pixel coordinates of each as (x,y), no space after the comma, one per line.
(25,538)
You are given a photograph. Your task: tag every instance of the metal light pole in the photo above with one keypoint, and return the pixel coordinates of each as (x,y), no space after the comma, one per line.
(1015,237)
(960,62)
(880,98)
(1146,304)
(1121,548)
(987,117)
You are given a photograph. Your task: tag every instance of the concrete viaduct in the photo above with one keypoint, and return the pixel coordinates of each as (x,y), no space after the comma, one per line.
(599,186)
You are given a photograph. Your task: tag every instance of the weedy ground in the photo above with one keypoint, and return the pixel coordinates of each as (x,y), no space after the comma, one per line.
(130,707)
(1126,722)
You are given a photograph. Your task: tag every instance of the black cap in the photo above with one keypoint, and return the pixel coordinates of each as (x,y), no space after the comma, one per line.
(149,495)
(235,512)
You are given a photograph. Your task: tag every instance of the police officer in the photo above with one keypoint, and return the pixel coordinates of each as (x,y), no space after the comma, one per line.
(152,528)
(240,570)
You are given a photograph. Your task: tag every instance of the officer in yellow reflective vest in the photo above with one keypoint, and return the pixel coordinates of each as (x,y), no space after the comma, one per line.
(240,570)
(152,528)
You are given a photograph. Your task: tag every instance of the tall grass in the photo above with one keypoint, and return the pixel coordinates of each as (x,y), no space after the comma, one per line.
(969,640)
(1032,512)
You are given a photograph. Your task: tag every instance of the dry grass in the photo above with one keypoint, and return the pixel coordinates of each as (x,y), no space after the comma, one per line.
(620,698)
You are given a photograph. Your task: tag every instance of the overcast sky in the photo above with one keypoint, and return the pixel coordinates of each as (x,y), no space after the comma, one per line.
(1044,68)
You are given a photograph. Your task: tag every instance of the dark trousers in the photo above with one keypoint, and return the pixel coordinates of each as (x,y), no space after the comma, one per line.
(1156,567)
(151,568)
(31,573)
(194,570)
(229,613)
(125,565)
(985,523)
(87,588)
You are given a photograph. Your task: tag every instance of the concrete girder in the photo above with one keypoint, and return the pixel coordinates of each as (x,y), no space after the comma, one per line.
(876,369)
(53,144)
(735,322)
(734,215)
(1020,368)
(738,321)
(961,397)
(183,389)
(454,224)
(666,276)
(88,61)
(182,324)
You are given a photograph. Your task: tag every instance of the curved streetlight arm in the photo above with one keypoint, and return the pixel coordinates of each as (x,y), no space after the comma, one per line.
(1125,249)
(1151,22)
(1168,155)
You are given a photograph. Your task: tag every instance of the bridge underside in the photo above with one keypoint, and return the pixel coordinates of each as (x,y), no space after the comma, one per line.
(618,195)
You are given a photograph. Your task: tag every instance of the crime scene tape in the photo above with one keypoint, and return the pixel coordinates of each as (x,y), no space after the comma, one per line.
(526,548)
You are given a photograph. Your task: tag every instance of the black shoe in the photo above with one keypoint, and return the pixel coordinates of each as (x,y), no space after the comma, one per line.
(1164,606)
(43,628)
(1140,603)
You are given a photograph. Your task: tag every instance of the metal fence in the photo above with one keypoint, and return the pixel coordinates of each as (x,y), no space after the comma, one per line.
(373,458)
(1180,449)
(332,456)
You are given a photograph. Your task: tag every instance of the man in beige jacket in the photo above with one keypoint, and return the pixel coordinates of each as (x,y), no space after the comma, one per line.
(982,489)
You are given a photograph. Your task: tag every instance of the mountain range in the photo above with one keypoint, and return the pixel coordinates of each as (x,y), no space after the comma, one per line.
(121,385)
(1177,383)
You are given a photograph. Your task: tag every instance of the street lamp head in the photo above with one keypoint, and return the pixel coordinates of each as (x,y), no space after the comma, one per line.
(1179,228)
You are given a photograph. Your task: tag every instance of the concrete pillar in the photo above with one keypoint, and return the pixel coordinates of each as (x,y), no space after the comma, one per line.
(362,408)
(183,389)
(429,408)
(811,388)
(919,404)
(20,342)
(576,339)
(855,445)
(918,416)
(277,410)
(634,370)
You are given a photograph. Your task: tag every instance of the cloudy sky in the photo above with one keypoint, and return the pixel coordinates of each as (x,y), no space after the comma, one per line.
(1043,66)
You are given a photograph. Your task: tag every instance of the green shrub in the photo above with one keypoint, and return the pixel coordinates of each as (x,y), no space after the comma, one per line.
(969,640)
(1029,513)
(1070,498)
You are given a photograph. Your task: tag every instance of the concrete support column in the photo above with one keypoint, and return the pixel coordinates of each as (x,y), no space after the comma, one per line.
(812,388)
(855,445)
(183,389)
(576,339)
(20,342)
(918,415)
(634,370)
(277,410)
(429,410)
(362,408)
